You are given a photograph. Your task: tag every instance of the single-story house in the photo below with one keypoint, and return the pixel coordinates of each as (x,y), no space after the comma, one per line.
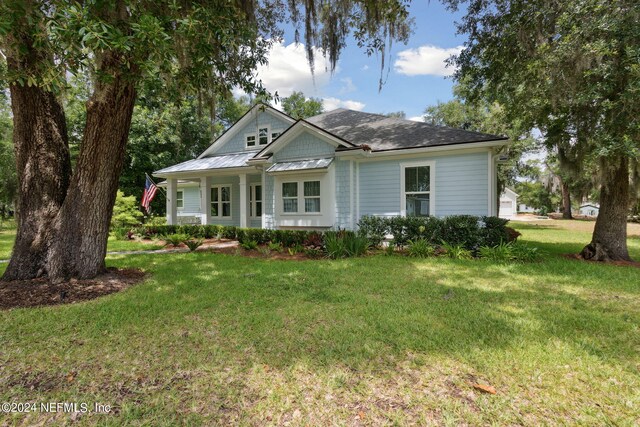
(508,204)
(269,170)
(589,209)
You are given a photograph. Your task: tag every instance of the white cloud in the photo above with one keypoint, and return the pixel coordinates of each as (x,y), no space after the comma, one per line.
(365,67)
(425,60)
(348,85)
(333,103)
(416,118)
(288,70)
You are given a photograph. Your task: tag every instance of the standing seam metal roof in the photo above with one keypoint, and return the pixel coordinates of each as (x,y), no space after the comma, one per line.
(300,165)
(235,160)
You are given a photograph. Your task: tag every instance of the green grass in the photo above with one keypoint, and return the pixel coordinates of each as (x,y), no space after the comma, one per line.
(7,238)
(220,339)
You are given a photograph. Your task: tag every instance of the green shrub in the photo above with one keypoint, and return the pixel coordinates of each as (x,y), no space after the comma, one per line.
(175,239)
(421,248)
(510,252)
(121,233)
(295,249)
(469,231)
(228,232)
(334,245)
(390,249)
(355,244)
(249,244)
(125,211)
(275,246)
(524,253)
(193,244)
(373,228)
(289,238)
(499,253)
(456,251)
(343,244)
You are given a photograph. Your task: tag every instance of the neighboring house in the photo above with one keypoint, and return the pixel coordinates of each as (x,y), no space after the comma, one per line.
(590,209)
(508,204)
(271,171)
(526,209)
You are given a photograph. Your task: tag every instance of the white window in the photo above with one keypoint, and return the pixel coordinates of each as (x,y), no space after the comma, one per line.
(255,201)
(274,135)
(290,197)
(417,197)
(221,201)
(263,136)
(312,196)
(299,194)
(180,199)
(251,140)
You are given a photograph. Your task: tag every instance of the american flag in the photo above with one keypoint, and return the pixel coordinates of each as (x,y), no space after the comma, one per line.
(150,189)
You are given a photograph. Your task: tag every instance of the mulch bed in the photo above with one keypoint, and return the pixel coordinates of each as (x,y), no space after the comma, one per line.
(257,254)
(40,292)
(578,257)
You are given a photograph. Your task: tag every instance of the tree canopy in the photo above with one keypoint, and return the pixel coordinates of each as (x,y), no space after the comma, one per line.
(197,48)
(571,70)
(299,107)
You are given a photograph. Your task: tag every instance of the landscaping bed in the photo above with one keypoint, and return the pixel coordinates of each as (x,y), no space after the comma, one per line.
(39,292)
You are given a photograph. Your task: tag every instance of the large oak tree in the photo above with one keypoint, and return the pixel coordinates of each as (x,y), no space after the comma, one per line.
(207,47)
(570,62)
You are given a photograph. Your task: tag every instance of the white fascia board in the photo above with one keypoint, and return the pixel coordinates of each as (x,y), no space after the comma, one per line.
(237,126)
(439,150)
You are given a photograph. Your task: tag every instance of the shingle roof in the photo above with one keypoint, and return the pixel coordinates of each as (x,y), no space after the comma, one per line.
(235,160)
(385,133)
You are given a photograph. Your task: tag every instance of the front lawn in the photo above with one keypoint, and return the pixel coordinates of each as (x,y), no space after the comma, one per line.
(222,339)
(7,238)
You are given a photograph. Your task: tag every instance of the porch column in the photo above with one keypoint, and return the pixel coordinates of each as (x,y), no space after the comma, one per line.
(172,196)
(244,196)
(205,200)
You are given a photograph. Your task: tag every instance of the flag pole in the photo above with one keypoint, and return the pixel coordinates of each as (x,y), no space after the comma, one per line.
(159,188)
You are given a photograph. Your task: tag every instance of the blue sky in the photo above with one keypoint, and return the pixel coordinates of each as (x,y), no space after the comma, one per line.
(416,78)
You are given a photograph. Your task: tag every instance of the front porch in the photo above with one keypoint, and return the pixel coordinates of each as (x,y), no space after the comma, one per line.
(224,199)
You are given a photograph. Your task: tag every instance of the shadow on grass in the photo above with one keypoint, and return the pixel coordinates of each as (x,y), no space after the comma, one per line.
(361,312)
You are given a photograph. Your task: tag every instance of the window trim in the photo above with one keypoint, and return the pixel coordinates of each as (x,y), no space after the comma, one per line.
(211,202)
(432,179)
(253,202)
(256,136)
(255,140)
(300,197)
(180,197)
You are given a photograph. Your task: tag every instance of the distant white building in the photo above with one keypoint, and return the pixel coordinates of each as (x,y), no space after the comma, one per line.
(508,204)
(590,209)
(526,209)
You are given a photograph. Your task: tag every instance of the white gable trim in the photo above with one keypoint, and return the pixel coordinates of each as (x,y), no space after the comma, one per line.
(240,124)
(296,130)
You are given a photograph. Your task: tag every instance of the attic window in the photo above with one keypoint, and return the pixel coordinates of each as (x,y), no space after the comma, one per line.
(263,134)
(274,135)
(251,140)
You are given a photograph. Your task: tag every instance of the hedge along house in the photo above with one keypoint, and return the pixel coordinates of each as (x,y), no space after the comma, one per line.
(271,171)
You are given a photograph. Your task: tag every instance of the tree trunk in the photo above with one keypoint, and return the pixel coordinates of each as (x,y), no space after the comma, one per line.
(81,245)
(43,168)
(609,241)
(566,201)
